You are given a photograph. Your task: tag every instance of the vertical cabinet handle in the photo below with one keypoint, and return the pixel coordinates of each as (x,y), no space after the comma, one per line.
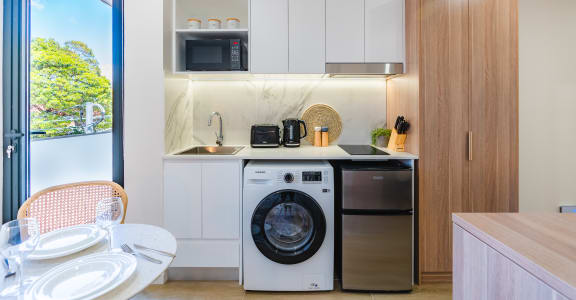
(470,145)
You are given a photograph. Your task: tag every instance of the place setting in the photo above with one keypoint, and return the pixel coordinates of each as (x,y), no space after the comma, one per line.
(92,268)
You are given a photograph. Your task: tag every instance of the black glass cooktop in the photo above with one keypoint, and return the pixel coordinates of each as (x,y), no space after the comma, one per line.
(362,150)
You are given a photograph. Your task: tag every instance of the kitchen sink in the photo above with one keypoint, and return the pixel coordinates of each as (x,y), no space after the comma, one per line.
(212,150)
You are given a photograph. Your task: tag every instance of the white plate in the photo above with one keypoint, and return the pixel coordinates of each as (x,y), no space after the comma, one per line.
(66,241)
(87,277)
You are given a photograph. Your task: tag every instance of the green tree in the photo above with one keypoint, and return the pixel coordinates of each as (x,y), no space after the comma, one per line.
(62,79)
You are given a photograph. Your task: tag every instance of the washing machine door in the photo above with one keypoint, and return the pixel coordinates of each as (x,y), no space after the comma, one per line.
(288,226)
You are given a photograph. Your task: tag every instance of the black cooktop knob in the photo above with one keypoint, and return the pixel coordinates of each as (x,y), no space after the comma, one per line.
(288,177)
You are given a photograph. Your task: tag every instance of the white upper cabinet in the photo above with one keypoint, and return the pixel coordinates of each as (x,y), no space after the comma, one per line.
(307,36)
(384,31)
(345,31)
(365,31)
(287,36)
(269,36)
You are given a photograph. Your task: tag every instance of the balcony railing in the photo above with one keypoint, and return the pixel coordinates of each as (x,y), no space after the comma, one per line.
(68,159)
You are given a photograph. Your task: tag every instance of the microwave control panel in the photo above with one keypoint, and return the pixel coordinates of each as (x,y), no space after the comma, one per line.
(235,60)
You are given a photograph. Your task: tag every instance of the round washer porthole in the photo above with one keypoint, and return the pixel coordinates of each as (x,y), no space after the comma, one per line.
(288,226)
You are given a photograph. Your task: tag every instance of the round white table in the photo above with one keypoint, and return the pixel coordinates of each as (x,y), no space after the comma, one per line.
(146,272)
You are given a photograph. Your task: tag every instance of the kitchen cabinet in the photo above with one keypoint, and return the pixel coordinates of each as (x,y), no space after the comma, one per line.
(177,31)
(365,31)
(220,200)
(494,106)
(183,194)
(269,36)
(287,36)
(461,96)
(203,216)
(480,272)
(307,43)
(345,31)
(384,31)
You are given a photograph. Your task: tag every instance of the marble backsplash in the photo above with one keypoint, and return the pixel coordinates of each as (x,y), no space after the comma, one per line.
(242,103)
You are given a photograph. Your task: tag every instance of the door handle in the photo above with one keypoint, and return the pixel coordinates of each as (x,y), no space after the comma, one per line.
(14,134)
(9,150)
(470,140)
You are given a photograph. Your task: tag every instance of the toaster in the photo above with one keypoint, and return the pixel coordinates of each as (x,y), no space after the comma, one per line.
(265,136)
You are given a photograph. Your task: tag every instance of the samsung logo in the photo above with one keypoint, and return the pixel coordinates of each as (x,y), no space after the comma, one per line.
(260,172)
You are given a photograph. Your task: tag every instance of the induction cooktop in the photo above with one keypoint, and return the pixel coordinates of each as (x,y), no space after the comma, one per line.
(362,150)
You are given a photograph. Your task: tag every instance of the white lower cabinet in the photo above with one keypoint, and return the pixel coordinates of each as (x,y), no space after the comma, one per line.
(202,209)
(221,201)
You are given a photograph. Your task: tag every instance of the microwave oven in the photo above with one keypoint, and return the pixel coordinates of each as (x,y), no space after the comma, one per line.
(215,55)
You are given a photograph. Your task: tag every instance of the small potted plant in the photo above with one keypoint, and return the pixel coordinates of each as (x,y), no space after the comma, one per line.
(381,136)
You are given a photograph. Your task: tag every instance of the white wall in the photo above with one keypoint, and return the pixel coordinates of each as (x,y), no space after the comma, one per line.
(547,104)
(144,110)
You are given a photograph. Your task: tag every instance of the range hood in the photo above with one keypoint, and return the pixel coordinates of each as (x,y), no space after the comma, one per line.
(364,69)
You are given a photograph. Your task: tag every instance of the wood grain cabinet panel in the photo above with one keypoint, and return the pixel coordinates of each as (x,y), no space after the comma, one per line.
(462,86)
(494,105)
(482,273)
(444,103)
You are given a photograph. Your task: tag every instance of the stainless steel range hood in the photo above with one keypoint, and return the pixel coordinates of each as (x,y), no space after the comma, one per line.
(364,69)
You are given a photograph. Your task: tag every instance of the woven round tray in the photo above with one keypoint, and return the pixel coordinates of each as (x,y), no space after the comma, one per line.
(322,115)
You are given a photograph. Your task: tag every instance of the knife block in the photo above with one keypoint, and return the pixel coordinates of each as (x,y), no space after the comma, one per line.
(397,141)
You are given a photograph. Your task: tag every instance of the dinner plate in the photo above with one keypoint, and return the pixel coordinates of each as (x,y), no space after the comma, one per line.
(86,277)
(66,241)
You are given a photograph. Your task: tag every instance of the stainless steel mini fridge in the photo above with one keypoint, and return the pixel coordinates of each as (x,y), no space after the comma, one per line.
(377,220)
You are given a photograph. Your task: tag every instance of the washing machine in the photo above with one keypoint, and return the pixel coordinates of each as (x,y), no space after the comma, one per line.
(288,226)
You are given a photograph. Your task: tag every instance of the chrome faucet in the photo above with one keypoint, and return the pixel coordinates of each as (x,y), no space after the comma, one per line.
(219,136)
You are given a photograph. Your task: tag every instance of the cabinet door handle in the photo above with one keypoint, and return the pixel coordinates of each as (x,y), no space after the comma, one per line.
(470,145)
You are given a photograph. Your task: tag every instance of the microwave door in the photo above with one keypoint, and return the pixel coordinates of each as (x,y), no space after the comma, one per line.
(208,55)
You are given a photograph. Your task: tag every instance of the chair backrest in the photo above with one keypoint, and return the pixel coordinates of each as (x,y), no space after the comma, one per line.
(70,204)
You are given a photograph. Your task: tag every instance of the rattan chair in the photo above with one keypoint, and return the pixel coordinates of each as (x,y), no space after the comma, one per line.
(70,204)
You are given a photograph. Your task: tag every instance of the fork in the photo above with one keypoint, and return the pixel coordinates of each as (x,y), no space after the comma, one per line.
(129,250)
(140,247)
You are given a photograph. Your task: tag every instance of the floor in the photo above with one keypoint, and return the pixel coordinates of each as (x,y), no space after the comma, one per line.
(230,290)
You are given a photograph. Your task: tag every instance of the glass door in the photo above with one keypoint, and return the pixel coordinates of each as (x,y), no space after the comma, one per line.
(14,93)
(70,108)
(65,95)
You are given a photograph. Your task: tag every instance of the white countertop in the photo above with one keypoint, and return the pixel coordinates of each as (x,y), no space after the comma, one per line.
(305,152)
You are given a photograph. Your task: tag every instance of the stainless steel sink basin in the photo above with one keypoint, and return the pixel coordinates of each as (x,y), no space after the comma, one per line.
(212,150)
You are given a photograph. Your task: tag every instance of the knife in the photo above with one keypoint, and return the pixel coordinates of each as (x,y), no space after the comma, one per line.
(404,127)
(397,123)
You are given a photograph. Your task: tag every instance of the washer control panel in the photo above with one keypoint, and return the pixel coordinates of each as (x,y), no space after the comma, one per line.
(288,177)
(312,176)
(302,177)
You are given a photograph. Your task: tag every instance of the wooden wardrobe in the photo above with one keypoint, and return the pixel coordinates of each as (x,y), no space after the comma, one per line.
(460,93)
